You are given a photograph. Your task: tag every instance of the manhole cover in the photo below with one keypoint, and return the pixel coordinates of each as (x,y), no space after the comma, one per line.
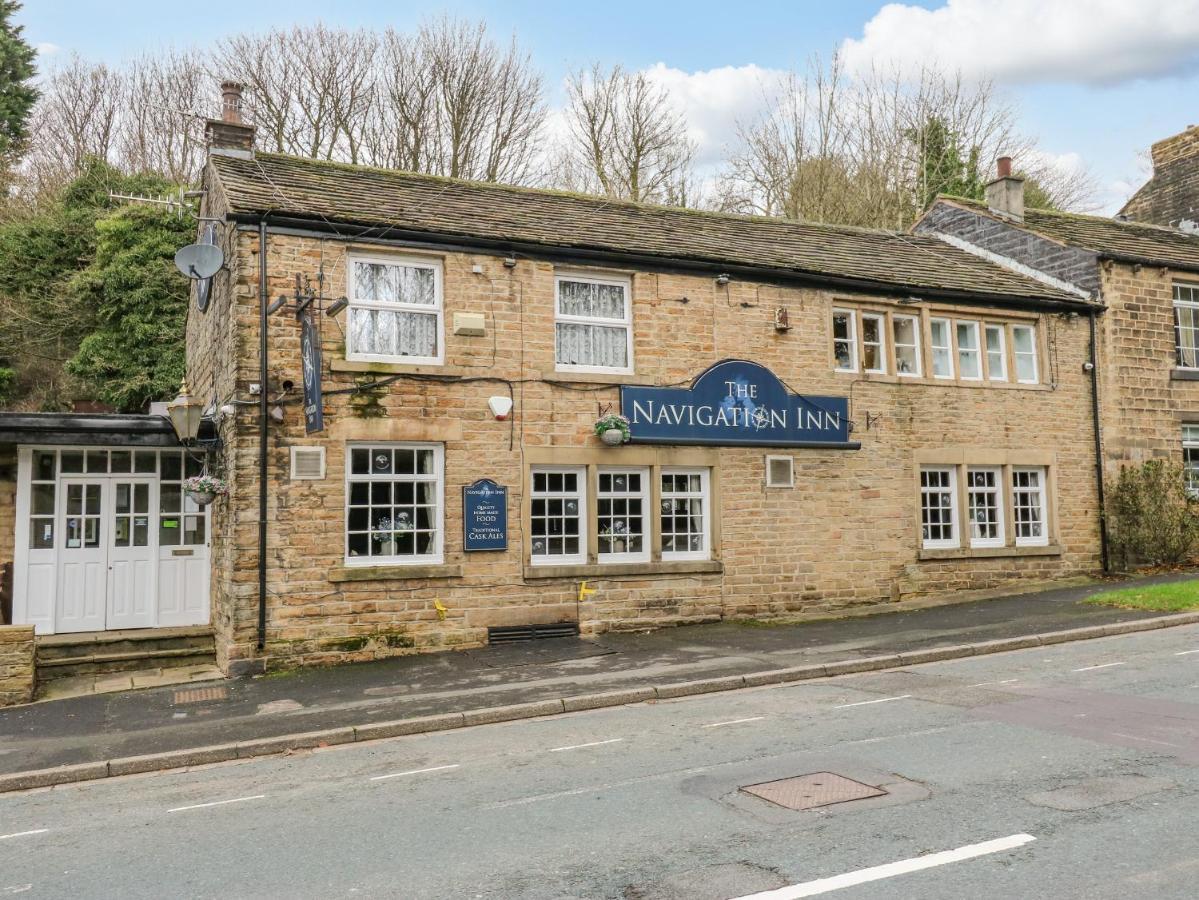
(199,695)
(811,791)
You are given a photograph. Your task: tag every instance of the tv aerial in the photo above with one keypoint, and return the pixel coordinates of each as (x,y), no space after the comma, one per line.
(199,261)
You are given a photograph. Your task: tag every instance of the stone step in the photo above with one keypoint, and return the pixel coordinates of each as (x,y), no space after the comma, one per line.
(97,653)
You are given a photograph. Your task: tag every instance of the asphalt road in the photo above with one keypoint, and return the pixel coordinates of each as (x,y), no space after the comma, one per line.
(1062,772)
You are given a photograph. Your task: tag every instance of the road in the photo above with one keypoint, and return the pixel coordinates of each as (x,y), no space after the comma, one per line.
(1063,772)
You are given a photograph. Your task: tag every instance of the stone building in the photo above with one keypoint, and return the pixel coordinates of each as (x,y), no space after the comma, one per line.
(1146,277)
(1171,196)
(824,420)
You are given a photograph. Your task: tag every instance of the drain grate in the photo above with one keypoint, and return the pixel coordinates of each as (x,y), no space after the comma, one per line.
(811,791)
(199,695)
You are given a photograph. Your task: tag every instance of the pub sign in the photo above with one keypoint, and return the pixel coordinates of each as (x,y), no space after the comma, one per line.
(484,516)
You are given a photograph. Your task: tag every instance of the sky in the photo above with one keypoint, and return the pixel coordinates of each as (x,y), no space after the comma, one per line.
(1095,81)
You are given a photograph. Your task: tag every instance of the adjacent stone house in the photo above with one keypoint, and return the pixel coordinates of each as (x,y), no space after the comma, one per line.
(824,420)
(1171,196)
(1145,276)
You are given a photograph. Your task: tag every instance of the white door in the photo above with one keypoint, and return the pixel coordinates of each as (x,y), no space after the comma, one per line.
(182,558)
(132,556)
(83,556)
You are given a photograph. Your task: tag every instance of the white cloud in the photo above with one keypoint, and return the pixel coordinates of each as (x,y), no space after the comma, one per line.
(45,48)
(1088,41)
(714,101)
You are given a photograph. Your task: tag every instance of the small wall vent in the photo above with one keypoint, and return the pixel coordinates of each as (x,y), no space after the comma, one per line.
(780,472)
(307,463)
(511,634)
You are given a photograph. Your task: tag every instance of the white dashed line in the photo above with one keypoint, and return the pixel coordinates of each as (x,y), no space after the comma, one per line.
(1133,737)
(1185,652)
(5,837)
(218,803)
(890,870)
(733,722)
(868,702)
(1092,668)
(414,772)
(581,746)
(989,683)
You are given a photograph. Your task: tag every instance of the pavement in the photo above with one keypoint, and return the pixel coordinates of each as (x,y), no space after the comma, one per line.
(509,681)
(1060,772)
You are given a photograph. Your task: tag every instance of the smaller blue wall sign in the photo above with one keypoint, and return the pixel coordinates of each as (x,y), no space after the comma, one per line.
(484,516)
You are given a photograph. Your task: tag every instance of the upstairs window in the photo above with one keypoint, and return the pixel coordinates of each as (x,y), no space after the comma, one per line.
(1186,325)
(395,310)
(1024,346)
(942,349)
(845,340)
(874,346)
(593,326)
(905,332)
(969,365)
(996,353)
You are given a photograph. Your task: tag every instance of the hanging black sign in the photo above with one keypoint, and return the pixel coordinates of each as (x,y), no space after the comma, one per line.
(310,355)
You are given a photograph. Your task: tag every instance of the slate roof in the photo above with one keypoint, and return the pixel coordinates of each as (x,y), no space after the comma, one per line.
(1110,238)
(324,193)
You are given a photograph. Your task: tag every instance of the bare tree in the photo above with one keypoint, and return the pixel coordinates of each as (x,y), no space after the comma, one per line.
(450,101)
(624,138)
(160,127)
(875,149)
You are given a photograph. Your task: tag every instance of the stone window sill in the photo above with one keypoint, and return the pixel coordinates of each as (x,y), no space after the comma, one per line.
(393,573)
(883,378)
(364,367)
(989,552)
(1184,374)
(596,377)
(597,570)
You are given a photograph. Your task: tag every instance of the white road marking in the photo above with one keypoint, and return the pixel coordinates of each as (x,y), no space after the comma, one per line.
(581,746)
(1092,668)
(1185,652)
(1133,737)
(733,722)
(414,772)
(890,870)
(218,803)
(4,837)
(988,683)
(868,702)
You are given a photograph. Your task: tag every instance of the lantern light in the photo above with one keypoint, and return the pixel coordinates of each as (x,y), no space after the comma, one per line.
(185,412)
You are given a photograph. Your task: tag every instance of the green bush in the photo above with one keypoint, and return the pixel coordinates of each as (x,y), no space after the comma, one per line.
(8,386)
(1152,517)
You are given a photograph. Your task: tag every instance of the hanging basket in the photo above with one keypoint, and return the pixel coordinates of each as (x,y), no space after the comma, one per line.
(203,489)
(613,437)
(202,498)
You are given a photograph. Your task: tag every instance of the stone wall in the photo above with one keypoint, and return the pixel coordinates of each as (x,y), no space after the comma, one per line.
(846,537)
(17,666)
(1145,399)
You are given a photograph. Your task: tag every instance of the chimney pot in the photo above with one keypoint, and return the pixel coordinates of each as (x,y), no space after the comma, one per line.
(1005,195)
(1004,167)
(231,102)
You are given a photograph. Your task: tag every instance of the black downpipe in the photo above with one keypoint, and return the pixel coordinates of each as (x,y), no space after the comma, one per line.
(263,419)
(1103,557)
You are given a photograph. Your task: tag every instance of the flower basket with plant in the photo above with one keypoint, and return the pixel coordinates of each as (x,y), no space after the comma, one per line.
(203,489)
(613,429)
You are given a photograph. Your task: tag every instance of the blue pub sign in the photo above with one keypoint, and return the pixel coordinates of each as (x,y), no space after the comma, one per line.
(736,403)
(484,516)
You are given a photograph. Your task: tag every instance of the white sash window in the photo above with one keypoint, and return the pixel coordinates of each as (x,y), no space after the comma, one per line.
(593,327)
(395,310)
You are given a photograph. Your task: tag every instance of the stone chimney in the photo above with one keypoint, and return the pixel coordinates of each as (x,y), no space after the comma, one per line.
(1172,149)
(1005,195)
(229,135)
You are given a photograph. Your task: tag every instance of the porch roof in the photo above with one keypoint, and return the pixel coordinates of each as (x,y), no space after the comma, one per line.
(89,429)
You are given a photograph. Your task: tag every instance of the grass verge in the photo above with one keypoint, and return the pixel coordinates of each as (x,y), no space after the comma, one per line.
(1172,597)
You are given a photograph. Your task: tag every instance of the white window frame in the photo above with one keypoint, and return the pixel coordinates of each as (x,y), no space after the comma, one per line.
(705,497)
(1190,448)
(852,318)
(1042,491)
(881,344)
(946,348)
(915,321)
(954,513)
(973,326)
(647,522)
(997,491)
(990,328)
(1189,301)
(1030,354)
(437,477)
(626,323)
(438,308)
(568,559)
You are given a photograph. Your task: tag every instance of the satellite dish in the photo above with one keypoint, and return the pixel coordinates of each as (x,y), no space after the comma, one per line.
(199,260)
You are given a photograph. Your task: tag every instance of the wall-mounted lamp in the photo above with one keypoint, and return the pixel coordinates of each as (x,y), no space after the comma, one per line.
(509,262)
(185,412)
(722,279)
(336,306)
(782,321)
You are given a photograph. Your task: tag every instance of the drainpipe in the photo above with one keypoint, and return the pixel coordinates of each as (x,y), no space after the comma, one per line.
(1103,556)
(263,419)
